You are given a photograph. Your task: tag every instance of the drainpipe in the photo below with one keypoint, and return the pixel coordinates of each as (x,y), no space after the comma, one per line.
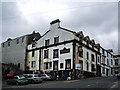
(96,66)
(74,50)
(40,60)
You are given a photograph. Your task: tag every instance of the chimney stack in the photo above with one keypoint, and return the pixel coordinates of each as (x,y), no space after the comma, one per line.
(55,24)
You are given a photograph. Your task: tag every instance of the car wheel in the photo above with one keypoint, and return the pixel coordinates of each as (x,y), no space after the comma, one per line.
(33,82)
(17,83)
(8,83)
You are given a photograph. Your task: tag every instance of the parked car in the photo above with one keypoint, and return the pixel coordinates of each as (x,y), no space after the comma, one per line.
(20,79)
(33,78)
(46,76)
(8,76)
(118,76)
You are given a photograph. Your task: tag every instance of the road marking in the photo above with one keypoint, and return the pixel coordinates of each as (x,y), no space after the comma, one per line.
(71,80)
(115,85)
(88,85)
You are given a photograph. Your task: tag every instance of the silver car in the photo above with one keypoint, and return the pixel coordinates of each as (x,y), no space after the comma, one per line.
(45,76)
(33,78)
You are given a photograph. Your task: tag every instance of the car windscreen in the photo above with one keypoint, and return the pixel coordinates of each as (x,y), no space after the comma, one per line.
(15,77)
(35,75)
(30,76)
(22,77)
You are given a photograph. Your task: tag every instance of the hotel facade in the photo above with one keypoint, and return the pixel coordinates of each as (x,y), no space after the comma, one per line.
(61,52)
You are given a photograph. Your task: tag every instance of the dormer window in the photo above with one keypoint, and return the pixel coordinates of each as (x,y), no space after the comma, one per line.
(9,43)
(56,40)
(22,39)
(34,43)
(47,42)
(17,41)
(3,45)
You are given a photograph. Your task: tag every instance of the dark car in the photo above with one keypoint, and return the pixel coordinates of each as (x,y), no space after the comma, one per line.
(118,76)
(17,80)
(33,78)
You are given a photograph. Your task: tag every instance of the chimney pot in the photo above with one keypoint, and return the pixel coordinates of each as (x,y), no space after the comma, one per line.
(55,21)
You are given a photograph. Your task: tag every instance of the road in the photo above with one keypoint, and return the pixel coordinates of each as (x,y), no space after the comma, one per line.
(98,82)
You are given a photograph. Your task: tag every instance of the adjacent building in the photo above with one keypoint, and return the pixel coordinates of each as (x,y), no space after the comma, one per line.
(107,62)
(14,50)
(116,63)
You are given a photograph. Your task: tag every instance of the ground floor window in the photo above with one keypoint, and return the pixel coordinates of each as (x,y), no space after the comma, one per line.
(116,72)
(47,65)
(103,70)
(61,65)
(87,66)
(68,64)
(92,67)
(81,64)
(18,65)
(33,64)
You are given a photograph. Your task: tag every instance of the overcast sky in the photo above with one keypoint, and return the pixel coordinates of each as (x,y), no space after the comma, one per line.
(99,20)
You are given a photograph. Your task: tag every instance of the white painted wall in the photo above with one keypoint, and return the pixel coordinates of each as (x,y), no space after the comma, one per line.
(63,36)
(35,58)
(62,57)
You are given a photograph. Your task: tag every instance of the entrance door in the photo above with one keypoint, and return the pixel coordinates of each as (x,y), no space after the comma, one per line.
(55,65)
(107,71)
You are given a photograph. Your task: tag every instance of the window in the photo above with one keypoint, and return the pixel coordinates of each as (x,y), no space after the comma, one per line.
(81,64)
(92,57)
(80,50)
(45,54)
(68,64)
(107,54)
(55,65)
(9,43)
(116,72)
(116,61)
(34,43)
(111,71)
(18,65)
(103,51)
(33,64)
(93,67)
(107,61)
(55,53)
(87,55)
(3,45)
(47,42)
(61,65)
(103,70)
(98,59)
(50,64)
(103,60)
(47,65)
(33,53)
(87,66)
(111,62)
(22,39)
(56,40)
(17,41)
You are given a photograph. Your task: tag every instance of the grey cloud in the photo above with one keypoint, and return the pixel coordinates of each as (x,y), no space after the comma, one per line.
(95,21)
